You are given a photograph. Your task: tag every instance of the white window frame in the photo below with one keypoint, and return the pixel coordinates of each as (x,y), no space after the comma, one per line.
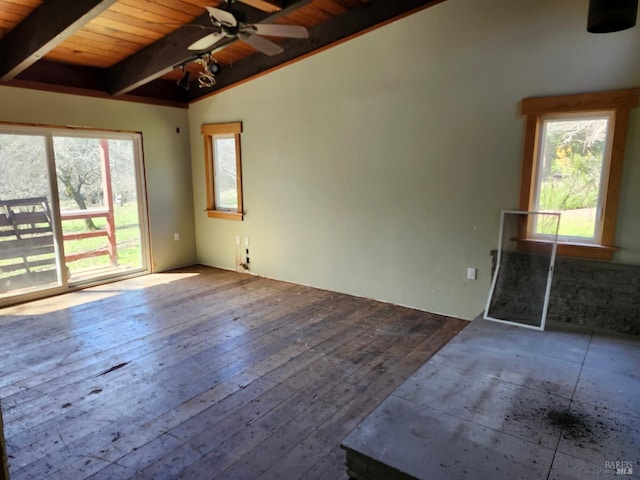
(48,132)
(604,173)
(620,102)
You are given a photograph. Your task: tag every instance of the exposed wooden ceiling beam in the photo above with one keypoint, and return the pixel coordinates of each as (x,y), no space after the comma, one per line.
(45,28)
(335,30)
(162,56)
(54,73)
(89,81)
(158,92)
(264,5)
(155,60)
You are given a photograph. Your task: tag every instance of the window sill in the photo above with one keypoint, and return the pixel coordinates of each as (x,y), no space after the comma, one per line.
(225,215)
(565,249)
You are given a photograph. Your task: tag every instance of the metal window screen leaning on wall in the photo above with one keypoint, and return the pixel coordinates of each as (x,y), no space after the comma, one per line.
(523,271)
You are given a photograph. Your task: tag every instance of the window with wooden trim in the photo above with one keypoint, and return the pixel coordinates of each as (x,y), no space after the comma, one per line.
(223,170)
(573,155)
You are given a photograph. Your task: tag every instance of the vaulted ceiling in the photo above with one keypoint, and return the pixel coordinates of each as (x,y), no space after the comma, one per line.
(133,49)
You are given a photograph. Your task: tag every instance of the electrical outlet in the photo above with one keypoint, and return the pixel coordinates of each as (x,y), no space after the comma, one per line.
(471,273)
(246,241)
(237,239)
(176,236)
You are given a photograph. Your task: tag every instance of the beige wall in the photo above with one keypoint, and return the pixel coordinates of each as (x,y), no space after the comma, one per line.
(380,167)
(167,153)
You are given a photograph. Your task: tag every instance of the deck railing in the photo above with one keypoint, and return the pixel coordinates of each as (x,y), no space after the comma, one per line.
(27,233)
(109,231)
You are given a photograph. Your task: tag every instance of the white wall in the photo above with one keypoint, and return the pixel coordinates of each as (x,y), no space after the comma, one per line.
(379,167)
(168,170)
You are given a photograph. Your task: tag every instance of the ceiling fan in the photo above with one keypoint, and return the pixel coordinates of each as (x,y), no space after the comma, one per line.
(230,25)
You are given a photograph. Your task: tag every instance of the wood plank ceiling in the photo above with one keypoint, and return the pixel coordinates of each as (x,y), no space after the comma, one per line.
(133,49)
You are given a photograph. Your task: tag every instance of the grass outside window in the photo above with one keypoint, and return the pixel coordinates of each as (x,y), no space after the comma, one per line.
(572,164)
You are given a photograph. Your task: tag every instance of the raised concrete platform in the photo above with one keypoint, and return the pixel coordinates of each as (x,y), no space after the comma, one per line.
(502,402)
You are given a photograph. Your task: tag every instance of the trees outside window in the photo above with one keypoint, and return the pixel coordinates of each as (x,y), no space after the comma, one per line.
(574,149)
(223,170)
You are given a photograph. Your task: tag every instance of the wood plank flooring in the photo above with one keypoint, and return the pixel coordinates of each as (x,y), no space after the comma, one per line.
(200,373)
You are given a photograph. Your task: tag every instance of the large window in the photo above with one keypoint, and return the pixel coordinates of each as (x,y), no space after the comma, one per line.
(223,170)
(72,209)
(574,149)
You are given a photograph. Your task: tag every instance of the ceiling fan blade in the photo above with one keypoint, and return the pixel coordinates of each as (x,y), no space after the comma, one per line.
(205,42)
(262,44)
(222,16)
(273,30)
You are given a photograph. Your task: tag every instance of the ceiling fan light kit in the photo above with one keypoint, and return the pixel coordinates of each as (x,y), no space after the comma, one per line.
(184,81)
(606,16)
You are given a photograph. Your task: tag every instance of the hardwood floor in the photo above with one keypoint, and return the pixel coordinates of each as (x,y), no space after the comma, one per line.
(4,467)
(200,374)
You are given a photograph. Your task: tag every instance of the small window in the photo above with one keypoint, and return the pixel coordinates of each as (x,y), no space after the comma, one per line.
(223,170)
(574,149)
(573,159)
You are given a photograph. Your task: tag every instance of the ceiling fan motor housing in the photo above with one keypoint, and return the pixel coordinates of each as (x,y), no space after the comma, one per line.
(606,16)
(229,31)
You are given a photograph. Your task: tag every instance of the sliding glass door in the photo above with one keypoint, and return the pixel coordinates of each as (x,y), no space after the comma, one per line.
(30,257)
(99,205)
(72,209)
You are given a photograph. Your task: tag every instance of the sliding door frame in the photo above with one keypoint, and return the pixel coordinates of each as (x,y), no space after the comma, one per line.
(49,132)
